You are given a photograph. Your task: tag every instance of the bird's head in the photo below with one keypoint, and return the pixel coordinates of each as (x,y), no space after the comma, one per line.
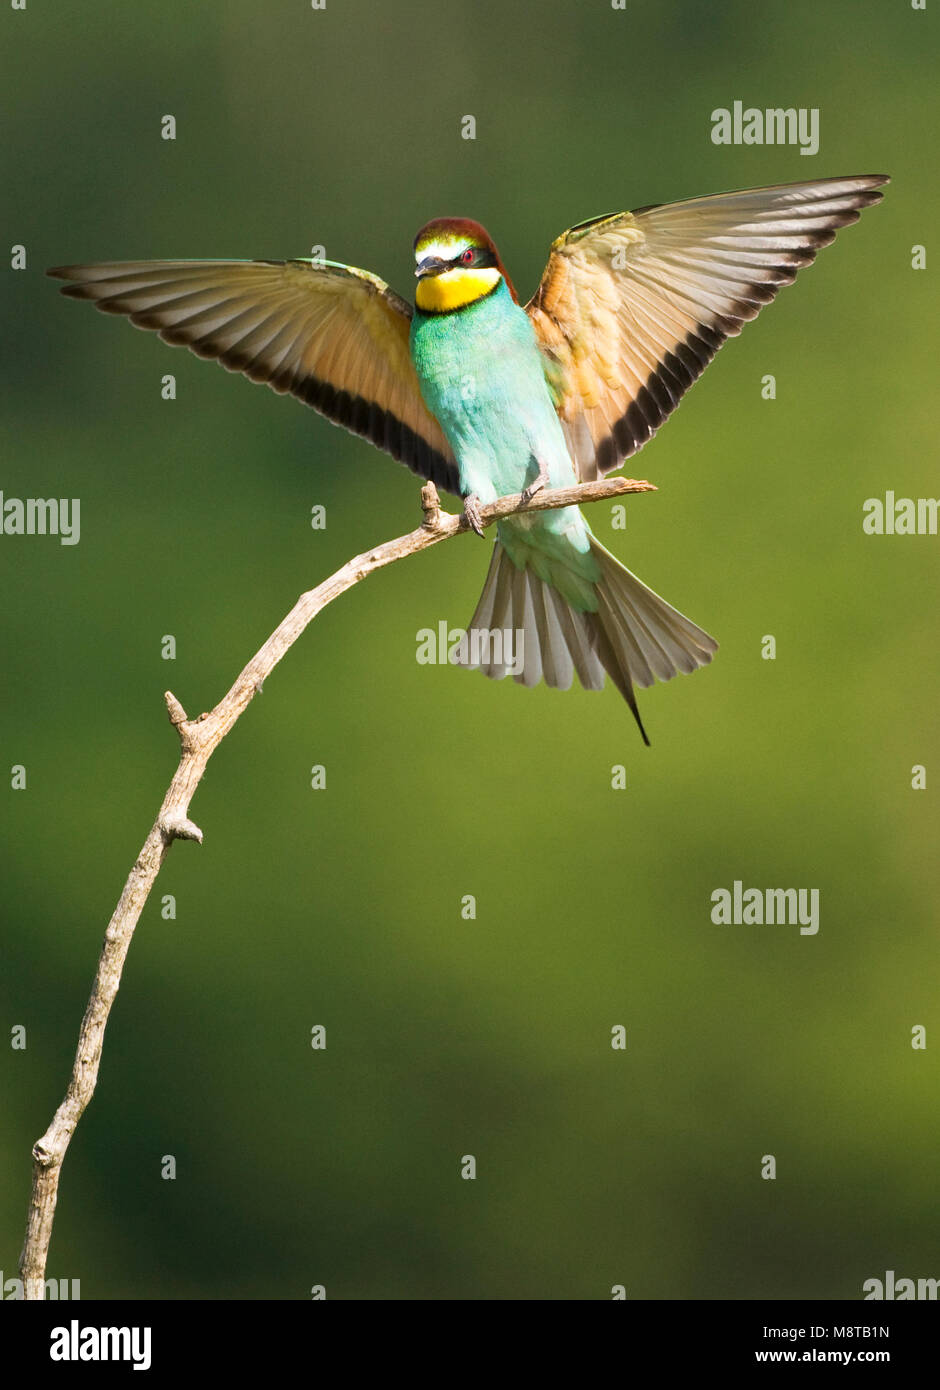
(456,263)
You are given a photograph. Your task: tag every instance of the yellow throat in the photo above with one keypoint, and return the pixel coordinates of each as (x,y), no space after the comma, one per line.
(454,288)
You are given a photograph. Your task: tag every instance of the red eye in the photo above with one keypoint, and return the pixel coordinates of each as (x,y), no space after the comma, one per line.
(466,256)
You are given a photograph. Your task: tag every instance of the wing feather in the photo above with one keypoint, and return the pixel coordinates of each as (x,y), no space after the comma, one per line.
(331,335)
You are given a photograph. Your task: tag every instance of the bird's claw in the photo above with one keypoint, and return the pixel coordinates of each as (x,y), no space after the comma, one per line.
(473,513)
(537,483)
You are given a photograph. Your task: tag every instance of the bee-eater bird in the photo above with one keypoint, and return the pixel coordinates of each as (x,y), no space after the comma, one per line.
(486,398)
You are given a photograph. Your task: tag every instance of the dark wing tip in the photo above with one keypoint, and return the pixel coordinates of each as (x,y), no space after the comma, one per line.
(81,279)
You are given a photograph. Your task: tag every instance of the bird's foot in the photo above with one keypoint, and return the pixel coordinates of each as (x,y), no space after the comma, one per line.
(473,513)
(536,486)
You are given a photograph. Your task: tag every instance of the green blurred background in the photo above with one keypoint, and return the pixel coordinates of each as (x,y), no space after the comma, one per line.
(342,907)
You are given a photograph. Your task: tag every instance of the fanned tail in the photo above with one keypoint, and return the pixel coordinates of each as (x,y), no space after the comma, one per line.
(634,636)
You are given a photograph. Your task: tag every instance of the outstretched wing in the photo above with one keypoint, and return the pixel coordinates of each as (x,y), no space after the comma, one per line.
(632,307)
(334,336)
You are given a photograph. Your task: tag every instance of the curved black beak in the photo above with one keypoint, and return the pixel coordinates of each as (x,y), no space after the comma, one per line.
(431,265)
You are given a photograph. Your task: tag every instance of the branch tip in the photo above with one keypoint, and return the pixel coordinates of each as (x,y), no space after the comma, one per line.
(174,709)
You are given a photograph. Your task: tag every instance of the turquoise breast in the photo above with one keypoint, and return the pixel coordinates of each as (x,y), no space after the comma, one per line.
(481,376)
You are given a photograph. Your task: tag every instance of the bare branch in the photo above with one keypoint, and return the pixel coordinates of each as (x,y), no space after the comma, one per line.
(198,740)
